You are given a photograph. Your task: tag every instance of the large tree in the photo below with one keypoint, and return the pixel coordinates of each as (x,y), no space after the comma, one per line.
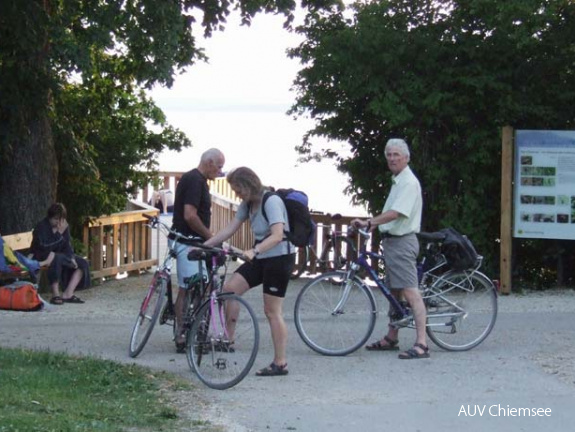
(445,75)
(74,118)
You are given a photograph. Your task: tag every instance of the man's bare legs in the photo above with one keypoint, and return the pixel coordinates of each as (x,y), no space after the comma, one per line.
(413,297)
(179,311)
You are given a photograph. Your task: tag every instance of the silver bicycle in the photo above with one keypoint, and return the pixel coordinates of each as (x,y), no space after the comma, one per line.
(335,313)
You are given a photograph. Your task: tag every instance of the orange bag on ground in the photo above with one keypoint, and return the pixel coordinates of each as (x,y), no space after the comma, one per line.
(20,296)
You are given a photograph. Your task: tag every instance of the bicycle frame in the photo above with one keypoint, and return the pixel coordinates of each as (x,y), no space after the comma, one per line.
(215,282)
(362,263)
(402,310)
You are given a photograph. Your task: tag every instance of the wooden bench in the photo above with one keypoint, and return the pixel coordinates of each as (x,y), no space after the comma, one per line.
(21,242)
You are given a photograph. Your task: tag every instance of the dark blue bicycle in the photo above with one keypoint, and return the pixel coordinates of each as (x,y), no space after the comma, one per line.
(335,313)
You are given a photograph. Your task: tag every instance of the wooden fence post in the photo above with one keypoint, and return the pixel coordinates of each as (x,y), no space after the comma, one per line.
(506,209)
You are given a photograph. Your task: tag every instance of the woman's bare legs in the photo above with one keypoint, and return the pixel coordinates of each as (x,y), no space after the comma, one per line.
(238,285)
(273,310)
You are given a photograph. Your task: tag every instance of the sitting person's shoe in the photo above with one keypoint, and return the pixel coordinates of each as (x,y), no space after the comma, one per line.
(57,300)
(73,299)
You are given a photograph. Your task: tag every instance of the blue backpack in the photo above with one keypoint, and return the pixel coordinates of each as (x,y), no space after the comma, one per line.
(302,227)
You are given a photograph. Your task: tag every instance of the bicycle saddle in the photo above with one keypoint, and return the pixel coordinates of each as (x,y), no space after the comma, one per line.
(434,237)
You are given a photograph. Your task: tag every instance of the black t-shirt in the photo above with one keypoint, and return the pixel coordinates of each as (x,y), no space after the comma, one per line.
(192,189)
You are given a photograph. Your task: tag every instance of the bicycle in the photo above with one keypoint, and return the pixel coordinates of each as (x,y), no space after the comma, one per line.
(160,287)
(228,354)
(222,333)
(336,319)
(338,251)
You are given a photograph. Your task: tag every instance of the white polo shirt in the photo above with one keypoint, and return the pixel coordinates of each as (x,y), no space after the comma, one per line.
(405,198)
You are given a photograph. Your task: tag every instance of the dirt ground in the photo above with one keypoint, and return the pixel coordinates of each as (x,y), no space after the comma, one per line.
(526,361)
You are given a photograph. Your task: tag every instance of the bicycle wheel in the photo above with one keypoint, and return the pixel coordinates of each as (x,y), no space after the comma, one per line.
(461,310)
(302,258)
(222,349)
(195,297)
(148,315)
(334,315)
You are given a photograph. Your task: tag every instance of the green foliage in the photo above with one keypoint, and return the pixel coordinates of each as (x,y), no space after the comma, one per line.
(446,76)
(107,149)
(43,391)
(73,76)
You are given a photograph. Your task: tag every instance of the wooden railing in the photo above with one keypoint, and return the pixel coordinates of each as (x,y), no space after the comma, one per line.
(120,242)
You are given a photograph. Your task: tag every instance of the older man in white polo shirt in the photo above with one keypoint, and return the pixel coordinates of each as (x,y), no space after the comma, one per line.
(399,222)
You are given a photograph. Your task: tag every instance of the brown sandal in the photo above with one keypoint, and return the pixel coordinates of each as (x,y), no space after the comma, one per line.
(273,370)
(411,353)
(378,346)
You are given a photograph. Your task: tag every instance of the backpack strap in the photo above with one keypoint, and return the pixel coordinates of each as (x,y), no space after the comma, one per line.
(264,200)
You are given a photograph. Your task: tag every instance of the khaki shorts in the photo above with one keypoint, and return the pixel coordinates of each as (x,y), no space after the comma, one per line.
(401,261)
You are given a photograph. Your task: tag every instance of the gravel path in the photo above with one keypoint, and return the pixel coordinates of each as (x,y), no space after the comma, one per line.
(526,361)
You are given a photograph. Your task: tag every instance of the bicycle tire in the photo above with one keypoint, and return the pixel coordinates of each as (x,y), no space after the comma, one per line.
(329,333)
(195,297)
(220,363)
(148,315)
(342,256)
(302,254)
(470,300)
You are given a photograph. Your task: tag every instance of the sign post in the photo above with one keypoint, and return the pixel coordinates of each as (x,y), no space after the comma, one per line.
(506,210)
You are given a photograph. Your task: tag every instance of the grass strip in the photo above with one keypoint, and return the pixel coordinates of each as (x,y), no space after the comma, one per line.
(46,391)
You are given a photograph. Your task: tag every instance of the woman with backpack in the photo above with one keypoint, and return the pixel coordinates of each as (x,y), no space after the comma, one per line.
(270,261)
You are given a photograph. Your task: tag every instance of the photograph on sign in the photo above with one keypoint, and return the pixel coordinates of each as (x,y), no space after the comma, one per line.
(544,187)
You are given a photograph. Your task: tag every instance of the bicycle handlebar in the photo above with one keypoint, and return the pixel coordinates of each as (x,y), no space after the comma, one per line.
(202,252)
(155,222)
(195,242)
(429,237)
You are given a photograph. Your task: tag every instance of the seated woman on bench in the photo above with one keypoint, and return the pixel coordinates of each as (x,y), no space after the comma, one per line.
(51,241)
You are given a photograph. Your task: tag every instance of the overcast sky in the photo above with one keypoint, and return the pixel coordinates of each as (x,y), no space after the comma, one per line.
(237,102)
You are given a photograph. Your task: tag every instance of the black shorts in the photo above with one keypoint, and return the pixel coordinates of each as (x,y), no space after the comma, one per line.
(274,273)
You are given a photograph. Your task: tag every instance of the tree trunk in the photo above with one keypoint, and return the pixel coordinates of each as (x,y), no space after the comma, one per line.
(28,175)
(28,164)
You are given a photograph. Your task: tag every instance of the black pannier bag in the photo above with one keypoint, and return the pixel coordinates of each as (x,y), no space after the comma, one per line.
(458,250)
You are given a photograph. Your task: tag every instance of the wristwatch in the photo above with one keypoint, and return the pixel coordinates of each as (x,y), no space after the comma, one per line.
(256,251)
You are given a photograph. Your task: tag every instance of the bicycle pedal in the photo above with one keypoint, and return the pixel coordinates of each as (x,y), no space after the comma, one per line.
(166,317)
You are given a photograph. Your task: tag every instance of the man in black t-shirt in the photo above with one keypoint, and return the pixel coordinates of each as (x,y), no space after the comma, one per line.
(192,214)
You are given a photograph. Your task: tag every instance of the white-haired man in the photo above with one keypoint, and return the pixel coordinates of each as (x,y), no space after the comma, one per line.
(192,215)
(398,223)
